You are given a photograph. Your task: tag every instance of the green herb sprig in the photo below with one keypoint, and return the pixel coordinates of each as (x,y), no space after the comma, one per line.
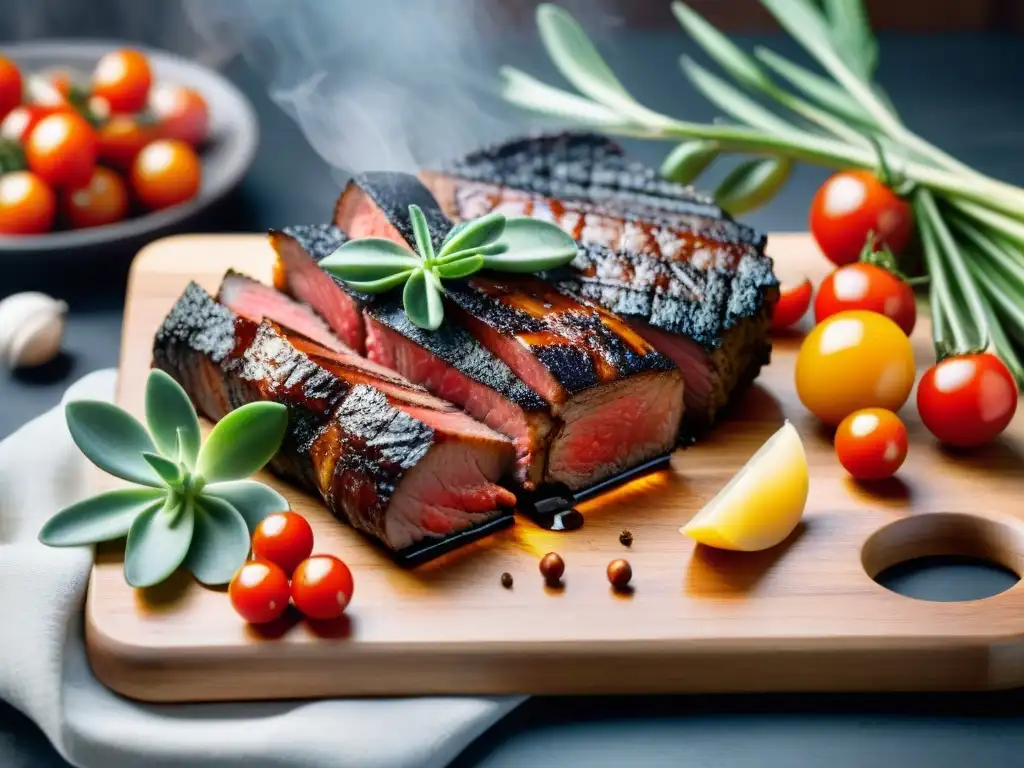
(971,225)
(376,265)
(190,505)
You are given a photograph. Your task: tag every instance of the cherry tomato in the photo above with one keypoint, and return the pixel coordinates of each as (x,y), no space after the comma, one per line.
(21,120)
(871,444)
(284,538)
(967,400)
(853,360)
(181,113)
(123,79)
(10,86)
(121,138)
(166,173)
(62,149)
(103,200)
(27,204)
(870,287)
(322,587)
(259,591)
(853,204)
(794,299)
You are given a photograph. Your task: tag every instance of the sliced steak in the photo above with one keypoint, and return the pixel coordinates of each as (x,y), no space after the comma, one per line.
(591,168)
(617,401)
(299,249)
(257,302)
(449,362)
(402,469)
(690,280)
(455,366)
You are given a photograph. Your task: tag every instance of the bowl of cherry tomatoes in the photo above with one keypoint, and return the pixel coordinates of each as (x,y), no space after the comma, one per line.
(103,144)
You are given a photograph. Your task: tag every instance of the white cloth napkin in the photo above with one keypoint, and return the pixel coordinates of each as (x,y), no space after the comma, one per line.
(45,674)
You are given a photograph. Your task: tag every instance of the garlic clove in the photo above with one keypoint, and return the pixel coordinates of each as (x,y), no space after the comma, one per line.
(31,329)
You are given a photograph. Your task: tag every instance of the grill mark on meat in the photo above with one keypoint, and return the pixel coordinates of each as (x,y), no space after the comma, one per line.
(587,167)
(701,240)
(454,366)
(577,345)
(676,297)
(356,443)
(457,348)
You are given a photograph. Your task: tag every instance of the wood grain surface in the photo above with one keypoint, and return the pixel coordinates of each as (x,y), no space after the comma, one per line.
(805,615)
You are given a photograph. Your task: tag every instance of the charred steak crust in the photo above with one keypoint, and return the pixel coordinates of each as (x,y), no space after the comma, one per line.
(591,168)
(456,347)
(677,296)
(393,193)
(318,240)
(196,325)
(574,344)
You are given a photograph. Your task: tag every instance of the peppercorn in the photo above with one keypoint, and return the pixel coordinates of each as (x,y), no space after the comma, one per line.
(626,538)
(506,580)
(619,574)
(551,568)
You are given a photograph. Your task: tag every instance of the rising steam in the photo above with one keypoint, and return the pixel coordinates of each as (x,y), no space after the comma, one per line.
(384,84)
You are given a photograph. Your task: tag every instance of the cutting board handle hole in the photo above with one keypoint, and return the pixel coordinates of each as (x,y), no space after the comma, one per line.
(925,556)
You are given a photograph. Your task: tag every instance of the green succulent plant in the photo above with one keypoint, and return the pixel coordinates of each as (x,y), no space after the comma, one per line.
(377,265)
(191,505)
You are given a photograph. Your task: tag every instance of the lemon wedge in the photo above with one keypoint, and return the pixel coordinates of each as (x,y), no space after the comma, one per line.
(762,504)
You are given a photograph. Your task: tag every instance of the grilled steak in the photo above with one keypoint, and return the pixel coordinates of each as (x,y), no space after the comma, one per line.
(391,460)
(256,301)
(455,366)
(449,362)
(615,401)
(297,274)
(694,283)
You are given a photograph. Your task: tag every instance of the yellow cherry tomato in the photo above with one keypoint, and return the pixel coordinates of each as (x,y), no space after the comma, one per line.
(854,360)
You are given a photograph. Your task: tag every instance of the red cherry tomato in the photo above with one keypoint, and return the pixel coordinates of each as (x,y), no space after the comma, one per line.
(322,587)
(853,204)
(123,79)
(10,86)
(259,591)
(21,120)
(794,299)
(181,113)
(27,204)
(166,173)
(62,150)
(967,400)
(121,138)
(871,444)
(870,287)
(284,538)
(104,200)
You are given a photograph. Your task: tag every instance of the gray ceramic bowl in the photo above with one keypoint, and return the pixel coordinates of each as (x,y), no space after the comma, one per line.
(234,135)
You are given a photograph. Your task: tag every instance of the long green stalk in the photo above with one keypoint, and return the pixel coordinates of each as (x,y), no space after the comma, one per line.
(971,225)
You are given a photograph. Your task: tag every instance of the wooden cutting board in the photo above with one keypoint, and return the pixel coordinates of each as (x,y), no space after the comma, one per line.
(805,615)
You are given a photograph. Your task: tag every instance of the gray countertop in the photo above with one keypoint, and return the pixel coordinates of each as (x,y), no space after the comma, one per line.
(961,91)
